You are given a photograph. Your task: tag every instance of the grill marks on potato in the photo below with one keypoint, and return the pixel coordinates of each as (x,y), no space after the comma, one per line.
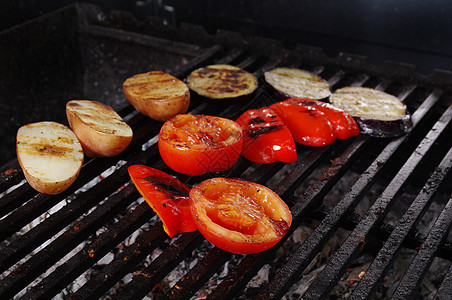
(222,82)
(157,94)
(155,85)
(45,149)
(108,121)
(50,156)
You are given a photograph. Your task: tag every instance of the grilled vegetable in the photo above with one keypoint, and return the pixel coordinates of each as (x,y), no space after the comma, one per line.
(100,130)
(315,123)
(157,94)
(239,216)
(167,196)
(266,139)
(50,156)
(199,144)
(222,82)
(291,82)
(378,113)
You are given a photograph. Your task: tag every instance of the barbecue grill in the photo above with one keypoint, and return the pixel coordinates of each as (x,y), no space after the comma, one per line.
(100,239)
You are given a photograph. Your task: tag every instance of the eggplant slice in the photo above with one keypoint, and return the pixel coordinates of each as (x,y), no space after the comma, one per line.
(222,83)
(291,82)
(377,113)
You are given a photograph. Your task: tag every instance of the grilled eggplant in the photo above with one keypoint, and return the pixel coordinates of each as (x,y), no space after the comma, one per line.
(157,94)
(222,83)
(377,113)
(291,82)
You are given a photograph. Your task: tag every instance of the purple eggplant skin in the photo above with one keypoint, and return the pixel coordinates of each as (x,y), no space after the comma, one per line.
(277,93)
(385,129)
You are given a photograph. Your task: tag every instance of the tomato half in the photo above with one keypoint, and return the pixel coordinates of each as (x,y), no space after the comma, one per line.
(239,216)
(266,138)
(199,144)
(167,196)
(308,125)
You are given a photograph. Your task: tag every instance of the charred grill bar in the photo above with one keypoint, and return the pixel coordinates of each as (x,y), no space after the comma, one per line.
(102,217)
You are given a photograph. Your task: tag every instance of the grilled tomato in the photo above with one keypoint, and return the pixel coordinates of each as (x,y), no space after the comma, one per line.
(157,94)
(222,82)
(239,216)
(167,196)
(266,138)
(378,113)
(199,144)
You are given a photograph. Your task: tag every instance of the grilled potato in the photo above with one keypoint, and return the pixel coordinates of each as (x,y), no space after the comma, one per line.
(377,113)
(291,82)
(50,156)
(222,82)
(100,130)
(157,94)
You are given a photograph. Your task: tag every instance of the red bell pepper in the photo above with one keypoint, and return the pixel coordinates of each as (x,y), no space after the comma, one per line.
(266,138)
(167,196)
(315,123)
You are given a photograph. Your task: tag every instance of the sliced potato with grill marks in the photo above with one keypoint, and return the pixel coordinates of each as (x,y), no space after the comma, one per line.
(377,113)
(222,82)
(157,94)
(50,156)
(292,82)
(101,131)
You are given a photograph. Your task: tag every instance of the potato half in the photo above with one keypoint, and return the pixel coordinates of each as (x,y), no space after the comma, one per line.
(100,130)
(157,94)
(50,156)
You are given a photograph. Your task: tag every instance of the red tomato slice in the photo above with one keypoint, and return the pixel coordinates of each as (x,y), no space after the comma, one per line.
(308,125)
(198,144)
(167,196)
(239,216)
(343,123)
(266,138)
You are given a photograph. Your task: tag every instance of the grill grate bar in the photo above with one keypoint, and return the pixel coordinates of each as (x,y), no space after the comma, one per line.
(125,261)
(308,249)
(189,284)
(351,246)
(386,255)
(143,281)
(57,221)
(24,274)
(425,256)
(446,286)
(15,199)
(93,251)
(10,178)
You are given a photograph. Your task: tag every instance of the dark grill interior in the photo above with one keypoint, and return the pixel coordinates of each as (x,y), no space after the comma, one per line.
(376,192)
